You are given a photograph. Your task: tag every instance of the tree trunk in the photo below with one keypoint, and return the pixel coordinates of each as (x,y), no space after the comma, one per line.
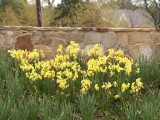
(39,13)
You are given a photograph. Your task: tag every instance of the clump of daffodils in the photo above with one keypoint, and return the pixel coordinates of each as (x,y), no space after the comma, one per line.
(136,86)
(73,49)
(102,73)
(95,51)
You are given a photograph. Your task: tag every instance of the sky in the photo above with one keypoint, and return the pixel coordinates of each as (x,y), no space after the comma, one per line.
(57,1)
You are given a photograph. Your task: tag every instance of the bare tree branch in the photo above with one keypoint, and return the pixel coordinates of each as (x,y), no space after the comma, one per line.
(150,12)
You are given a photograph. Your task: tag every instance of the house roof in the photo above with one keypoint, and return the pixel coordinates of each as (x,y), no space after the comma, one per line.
(130,18)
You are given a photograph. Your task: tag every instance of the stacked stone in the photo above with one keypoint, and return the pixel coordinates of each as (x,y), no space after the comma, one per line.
(133,41)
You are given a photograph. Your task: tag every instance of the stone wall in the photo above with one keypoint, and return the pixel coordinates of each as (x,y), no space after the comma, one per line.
(133,41)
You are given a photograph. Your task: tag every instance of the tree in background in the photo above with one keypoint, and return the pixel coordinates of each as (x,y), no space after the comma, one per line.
(117,4)
(48,15)
(11,3)
(49,3)
(126,4)
(8,3)
(78,14)
(9,17)
(25,15)
(47,11)
(153,8)
(28,14)
(63,10)
(74,13)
